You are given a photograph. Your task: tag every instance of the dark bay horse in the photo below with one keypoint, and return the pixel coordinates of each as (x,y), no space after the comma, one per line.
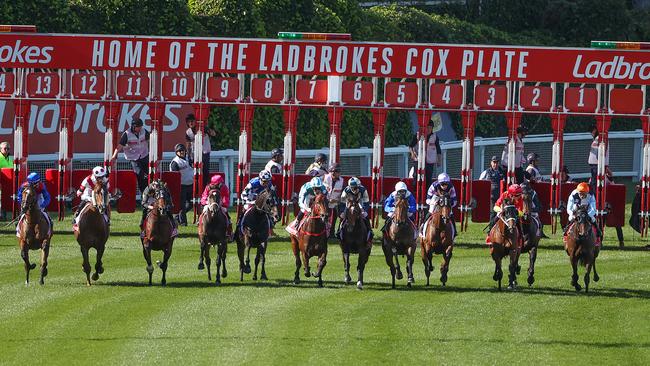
(531,236)
(212,228)
(35,233)
(354,239)
(254,232)
(438,238)
(505,242)
(158,233)
(311,240)
(399,239)
(579,244)
(94,229)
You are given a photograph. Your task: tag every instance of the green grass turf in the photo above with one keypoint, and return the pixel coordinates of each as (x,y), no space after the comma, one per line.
(120,320)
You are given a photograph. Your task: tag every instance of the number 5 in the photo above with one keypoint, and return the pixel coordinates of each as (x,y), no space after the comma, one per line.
(401,96)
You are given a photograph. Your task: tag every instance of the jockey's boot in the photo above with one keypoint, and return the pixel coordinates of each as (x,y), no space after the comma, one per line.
(369,227)
(81,206)
(339,231)
(493,222)
(174,223)
(386,224)
(229,230)
(566,228)
(145,212)
(599,232)
(299,218)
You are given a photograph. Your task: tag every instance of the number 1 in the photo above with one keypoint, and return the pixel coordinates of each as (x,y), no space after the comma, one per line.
(3,82)
(581,100)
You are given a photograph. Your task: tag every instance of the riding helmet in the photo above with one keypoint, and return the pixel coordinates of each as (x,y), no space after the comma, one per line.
(99,172)
(137,122)
(277,152)
(265,176)
(179,147)
(514,190)
(401,186)
(216,179)
(583,187)
(354,182)
(33,178)
(320,158)
(334,168)
(532,157)
(444,178)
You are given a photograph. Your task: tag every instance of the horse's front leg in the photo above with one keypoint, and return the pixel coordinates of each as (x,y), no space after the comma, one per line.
(240,255)
(85,265)
(596,252)
(146,250)
(587,274)
(223,249)
(322,261)
(262,250)
(425,260)
(512,269)
(498,272)
(45,252)
(346,267)
(296,253)
(201,255)
(410,256)
(532,255)
(398,269)
(574,276)
(205,255)
(364,254)
(247,264)
(163,265)
(388,255)
(444,267)
(24,254)
(99,265)
(257,261)
(305,262)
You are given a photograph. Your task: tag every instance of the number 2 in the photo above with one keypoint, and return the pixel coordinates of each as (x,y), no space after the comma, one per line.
(536,94)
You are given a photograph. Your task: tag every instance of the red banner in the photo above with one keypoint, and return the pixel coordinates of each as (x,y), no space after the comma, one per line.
(265,56)
(89,125)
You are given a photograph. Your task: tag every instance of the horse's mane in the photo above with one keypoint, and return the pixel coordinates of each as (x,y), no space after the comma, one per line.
(401,207)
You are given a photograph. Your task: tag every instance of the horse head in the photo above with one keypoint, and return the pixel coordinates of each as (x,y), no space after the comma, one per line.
(443,208)
(401,209)
(352,208)
(527,203)
(267,202)
(510,216)
(583,224)
(214,201)
(28,201)
(100,196)
(162,204)
(319,206)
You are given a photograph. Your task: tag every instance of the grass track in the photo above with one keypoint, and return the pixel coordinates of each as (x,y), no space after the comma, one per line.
(121,320)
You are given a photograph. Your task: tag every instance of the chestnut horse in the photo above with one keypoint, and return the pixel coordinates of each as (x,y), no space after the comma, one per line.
(212,230)
(158,233)
(579,244)
(253,232)
(505,242)
(35,233)
(311,240)
(399,239)
(531,236)
(438,238)
(354,239)
(94,229)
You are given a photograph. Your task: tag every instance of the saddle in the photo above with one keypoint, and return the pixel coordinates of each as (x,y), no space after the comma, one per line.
(47,218)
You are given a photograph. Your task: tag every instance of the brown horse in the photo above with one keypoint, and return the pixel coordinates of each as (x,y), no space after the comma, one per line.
(158,233)
(579,244)
(399,239)
(212,230)
(354,239)
(438,238)
(311,240)
(505,242)
(531,236)
(253,232)
(94,229)
(35,233)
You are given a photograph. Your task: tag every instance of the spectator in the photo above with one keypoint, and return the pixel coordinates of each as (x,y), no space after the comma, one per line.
(319,167)
(532,172)
(135,144)
(593,157)
(334,184)
(190,136)
(564,175)
(275,164)
(609,179)
(433,154)
(180,164)
(495,175)
(5,162)
(519,155)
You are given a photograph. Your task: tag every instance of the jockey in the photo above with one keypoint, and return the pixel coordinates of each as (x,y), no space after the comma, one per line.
(580,197)
(319,167)
(255,187)
(440,187)
(360,193)
(308,192)
(389,205)
(513,194)
(217,184)
(274,166)
(536,204)
(43,196)
(334,184)
(149,199)
(532,172)
(85,191)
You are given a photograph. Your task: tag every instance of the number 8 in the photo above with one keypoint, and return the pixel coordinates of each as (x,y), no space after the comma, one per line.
(268,88)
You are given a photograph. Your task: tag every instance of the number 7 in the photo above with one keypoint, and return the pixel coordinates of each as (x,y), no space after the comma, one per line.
(312,86)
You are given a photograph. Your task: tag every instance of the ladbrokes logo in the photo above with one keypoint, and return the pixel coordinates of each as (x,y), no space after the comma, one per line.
(25,54)
(617,69)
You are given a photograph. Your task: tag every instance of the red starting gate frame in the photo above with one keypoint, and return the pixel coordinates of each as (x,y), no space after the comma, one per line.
(335,75)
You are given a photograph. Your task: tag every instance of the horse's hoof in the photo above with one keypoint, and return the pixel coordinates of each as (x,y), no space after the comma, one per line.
(307,274)
(531,280)
(163,282)
(41,281)
(100,270)
(320,283)
(201,266)
(518,269)
(408,284)
(296,281)
(247,268)
(44,272)
(32,266)
(263,277)
(359,285)
(224,273)
(217,282)
(347,279)
(578,287)
(512,287)
(95,276)
(399,275)
(596,278)
(254,277)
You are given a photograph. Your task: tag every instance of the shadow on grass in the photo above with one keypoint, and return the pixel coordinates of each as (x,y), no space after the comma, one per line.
(619,293)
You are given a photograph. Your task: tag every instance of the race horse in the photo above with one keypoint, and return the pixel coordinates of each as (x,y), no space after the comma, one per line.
(93,229)
(505,241)
(579,243)
(531,236)
(35,233)
(354,239)
(311,240)
(158,233)
(212,230)
(438,238)
(253,232)
(399,239)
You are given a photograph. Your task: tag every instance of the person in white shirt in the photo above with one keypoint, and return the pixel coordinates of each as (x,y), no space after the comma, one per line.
(275,164)
(180,164)
(190,136)
(532,172)
(334,184)
(135,144)
(520,161)
(433,154)
(593,157)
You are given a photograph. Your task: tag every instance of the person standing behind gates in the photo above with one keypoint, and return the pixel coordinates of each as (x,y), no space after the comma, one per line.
(135,144)
(180,164)
(275,164)
(520,161)
(5,162)
(433,154)
(495,175)
(190,137)
(593,158)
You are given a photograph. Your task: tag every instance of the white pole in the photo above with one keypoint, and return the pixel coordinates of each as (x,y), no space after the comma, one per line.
(18,143)
(333,158)
(108,144)
(288,144)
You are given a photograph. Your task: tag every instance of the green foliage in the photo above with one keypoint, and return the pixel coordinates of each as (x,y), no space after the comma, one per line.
(47,15)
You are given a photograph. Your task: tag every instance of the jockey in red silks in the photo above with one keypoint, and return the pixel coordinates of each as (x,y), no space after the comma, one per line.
(217,184)
(514,197)
(85,191)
